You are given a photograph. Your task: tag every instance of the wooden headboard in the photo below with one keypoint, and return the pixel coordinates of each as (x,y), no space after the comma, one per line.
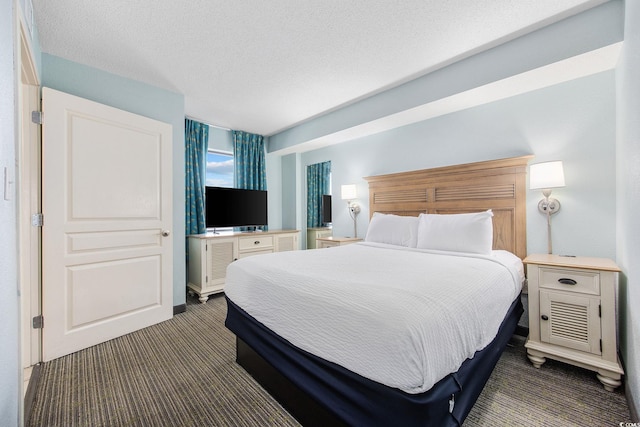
(499,185)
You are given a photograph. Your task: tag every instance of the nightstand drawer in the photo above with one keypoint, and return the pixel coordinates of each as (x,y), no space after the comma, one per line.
(323,244)
(254,243)
(582,281)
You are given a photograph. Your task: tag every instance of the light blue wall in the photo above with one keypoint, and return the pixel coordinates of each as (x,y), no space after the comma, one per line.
(573,122)
(628,199)
(291,191)
(276,190)
(138,98)
(10,363)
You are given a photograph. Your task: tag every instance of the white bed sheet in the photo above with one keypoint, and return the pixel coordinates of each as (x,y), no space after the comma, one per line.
(399,316)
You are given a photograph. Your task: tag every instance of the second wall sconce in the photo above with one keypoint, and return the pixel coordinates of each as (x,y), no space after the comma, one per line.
(349,193)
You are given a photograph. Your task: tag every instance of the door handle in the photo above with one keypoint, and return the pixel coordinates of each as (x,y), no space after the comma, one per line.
(165,233)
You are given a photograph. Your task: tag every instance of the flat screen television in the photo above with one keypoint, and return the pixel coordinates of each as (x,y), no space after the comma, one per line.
(326,209)
(235,207)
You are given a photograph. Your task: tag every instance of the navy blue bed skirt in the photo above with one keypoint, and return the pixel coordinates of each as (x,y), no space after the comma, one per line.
(358,401)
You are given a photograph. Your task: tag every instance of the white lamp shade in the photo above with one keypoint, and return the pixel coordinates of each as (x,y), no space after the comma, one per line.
(546,175)
(348,192)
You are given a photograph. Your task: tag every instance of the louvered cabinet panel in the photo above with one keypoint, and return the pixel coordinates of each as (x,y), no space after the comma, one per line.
(286,242)
(220,253)
(571,321)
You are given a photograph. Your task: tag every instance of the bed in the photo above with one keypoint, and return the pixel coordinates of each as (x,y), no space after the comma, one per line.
(396,329)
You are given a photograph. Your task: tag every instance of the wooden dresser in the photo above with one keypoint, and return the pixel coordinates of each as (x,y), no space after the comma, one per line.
(210,254)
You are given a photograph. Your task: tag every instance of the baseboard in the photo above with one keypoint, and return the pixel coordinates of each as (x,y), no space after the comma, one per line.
(177,309)
(30,395)
(631,402)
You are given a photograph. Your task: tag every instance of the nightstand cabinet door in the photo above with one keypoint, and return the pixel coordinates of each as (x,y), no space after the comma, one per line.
(571,321)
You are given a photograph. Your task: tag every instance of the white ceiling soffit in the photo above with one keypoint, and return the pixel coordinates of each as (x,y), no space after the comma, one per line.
(583,65)
(266,66)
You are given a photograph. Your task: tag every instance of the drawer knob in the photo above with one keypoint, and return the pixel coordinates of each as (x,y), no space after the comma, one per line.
(257,242)
(544,317)
(567,281)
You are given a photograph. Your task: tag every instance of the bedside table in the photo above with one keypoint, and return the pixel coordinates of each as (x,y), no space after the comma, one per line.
(329,242)
(572,314)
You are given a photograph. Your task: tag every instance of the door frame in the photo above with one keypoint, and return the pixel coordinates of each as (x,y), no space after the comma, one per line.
(29,197)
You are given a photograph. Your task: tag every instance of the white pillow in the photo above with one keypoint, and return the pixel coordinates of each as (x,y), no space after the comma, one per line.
(472,232)
(393,229)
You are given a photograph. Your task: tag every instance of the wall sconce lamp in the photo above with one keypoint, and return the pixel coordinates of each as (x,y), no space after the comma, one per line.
(545,176)
(349,193)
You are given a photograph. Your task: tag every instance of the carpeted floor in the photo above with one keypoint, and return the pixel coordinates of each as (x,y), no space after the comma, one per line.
(182,373)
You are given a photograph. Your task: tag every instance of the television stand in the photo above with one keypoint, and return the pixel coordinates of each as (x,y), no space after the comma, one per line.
(210,254)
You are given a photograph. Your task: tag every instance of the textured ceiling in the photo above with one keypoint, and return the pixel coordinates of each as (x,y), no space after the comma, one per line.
(264,66)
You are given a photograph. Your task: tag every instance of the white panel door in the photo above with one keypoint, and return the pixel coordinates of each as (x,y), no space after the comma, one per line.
(107,205)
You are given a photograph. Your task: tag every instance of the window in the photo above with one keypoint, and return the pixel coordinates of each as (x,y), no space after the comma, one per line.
(219,169)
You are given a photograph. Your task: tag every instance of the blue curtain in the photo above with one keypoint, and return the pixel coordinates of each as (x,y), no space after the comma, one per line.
(196,136)
(318,177)
(249,158)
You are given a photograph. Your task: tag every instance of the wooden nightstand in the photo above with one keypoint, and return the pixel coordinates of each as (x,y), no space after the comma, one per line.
(329,242)
(572,314)
(313,234)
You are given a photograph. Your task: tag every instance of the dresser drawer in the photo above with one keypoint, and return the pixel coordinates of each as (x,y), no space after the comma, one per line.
(255,243)
(254,253)
(582,281)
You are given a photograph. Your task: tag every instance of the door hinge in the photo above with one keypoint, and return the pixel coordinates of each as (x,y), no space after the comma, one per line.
(38,322)
(600,345)
(37,117)
(600,310)
(37,220)
(206,279)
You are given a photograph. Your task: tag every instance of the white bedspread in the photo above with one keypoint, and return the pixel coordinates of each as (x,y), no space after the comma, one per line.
(402,317)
